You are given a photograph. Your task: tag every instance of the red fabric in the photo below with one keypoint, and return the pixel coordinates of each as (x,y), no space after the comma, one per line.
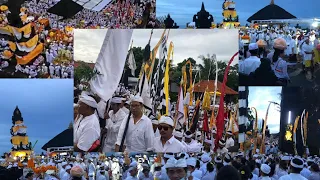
(220,117)
(94,146)
(205,122)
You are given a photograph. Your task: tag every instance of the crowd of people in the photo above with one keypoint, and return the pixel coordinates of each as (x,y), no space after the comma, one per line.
(46,46)
(110,128)
(118,14)
(268,53)
(167,166)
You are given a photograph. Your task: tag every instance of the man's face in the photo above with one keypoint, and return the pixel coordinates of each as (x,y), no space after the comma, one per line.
(134,172)
(136,107)
(115,107)
(165,130)
(176,173)
(187,140)
(83,108)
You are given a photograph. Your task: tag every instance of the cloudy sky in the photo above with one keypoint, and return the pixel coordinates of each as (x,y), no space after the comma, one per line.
(259,98)
(182,11)
(187,43)
(46,107)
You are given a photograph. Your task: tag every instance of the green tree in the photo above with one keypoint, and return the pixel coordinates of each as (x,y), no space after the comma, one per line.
(208,71)
(83,71)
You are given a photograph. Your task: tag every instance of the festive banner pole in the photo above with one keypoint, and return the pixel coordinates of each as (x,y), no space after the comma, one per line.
(255,130)
(296,122)
(166,77)
(220,116)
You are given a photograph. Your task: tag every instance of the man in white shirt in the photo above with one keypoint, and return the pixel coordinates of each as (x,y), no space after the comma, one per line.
(221,149)
(139,135)
(62,170)
(191,165)
(307,49)
(191,144)
(155,124)
(167,142)
(230,141)
(264,171)
(91,169)
(66,175)
(296,166)
(133,171)
(250,64)
(113,122)
(87,129)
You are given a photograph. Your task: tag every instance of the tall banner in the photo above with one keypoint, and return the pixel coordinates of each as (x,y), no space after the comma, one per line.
(220,116)
(110,62)
(165,100)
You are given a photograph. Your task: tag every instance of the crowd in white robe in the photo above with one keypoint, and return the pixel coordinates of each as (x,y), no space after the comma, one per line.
(167,166)
(299,46)
(107,18)
(143,134)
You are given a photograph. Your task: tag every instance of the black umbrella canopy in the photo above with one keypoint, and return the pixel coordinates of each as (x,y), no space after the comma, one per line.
(271,11)
(65,8)
(61,140)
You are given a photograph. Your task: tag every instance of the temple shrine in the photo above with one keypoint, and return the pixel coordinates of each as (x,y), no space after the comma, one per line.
(21,146)
(230,17)
(203,19)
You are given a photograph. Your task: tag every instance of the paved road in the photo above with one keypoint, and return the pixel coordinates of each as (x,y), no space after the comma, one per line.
(298,77)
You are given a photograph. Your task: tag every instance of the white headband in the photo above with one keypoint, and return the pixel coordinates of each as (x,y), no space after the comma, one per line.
(88,100)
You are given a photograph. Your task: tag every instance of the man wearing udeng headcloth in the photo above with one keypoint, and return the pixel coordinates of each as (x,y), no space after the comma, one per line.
(87,129)
(139,135)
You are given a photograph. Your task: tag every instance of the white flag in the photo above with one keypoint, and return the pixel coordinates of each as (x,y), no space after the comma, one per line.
(132,63)
(110,62)
(144,92)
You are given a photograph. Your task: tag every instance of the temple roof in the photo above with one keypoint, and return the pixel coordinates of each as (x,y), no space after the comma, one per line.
(63,139)
(271,11)
(202,85)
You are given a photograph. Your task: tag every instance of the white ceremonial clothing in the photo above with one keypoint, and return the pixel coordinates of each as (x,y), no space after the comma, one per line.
(51,70)
(222,151)
(143,177)
(131,178)
(280,68)
(113,125)
(171,146)
(139,137)
(66,176)
(305,172)
(91,169)
(193,146)
(229,142)
(281,172)
(256,171)
(250,64)
(261,36)
(126,110)
(101,177)
(292,176)
(157,133)
(101,108)
(254,177)
(61,173)
(265,178)
(86,132)
(307,48)
(209,175)
(314,176)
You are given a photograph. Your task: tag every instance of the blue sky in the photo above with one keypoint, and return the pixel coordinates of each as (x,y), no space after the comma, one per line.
(259,98)
(182,11)
(46,106)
